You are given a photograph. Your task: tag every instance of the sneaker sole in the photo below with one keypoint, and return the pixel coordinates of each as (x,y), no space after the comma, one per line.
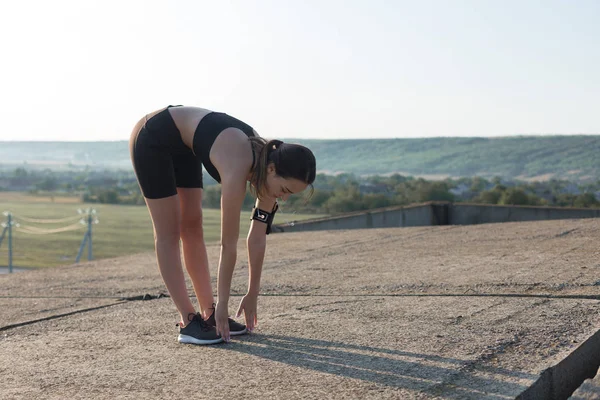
(237,333)
(192,340)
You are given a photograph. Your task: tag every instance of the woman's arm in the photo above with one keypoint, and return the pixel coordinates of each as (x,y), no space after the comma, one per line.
(256,243)
(232,156)
(232,197)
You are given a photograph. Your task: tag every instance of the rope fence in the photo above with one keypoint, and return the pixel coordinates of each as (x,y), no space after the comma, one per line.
(19,224)
(33,230)
(45,221)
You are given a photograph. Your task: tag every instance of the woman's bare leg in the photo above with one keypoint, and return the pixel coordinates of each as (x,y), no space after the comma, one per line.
(166,218)
(194,248)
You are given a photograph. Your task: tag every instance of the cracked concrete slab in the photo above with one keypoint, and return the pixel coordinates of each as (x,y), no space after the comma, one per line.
(351,347)
(548,257)
(451,312)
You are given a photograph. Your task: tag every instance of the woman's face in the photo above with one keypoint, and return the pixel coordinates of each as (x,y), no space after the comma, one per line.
(282,188)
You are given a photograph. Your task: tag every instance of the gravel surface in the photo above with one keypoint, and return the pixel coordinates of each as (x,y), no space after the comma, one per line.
(453,312)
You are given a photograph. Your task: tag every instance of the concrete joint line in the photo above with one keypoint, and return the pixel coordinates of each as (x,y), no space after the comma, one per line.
(560,381)
(34,321)
(509,295)
(144,297)
(120,300)
(62,297)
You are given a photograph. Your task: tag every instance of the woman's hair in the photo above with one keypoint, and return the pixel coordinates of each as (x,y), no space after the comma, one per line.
(290,161)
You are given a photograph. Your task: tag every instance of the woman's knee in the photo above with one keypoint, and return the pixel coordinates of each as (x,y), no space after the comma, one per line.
(165,214)
(167,236)
(191,227)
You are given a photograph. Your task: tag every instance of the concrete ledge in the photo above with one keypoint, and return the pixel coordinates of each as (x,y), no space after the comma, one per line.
(437,213)
(559,382)
(470,214)
(388,217)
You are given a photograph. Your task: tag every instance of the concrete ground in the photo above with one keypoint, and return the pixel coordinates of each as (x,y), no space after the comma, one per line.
(590,390)
(451,312)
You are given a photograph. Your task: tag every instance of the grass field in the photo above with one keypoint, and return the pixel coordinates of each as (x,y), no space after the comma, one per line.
(121,230)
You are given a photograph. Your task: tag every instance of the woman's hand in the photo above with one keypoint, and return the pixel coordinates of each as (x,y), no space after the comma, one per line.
(221,316)
(248,306)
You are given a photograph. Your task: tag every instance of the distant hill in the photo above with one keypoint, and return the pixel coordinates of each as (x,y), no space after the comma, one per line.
(524,157)
(64,155)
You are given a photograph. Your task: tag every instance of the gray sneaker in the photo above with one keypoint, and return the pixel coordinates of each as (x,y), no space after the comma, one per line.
(197,331)
(235,328)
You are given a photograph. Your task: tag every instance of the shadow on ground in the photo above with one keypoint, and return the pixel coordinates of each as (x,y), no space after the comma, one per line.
(393,368)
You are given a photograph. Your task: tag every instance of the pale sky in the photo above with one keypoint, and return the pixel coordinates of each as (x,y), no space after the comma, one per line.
(319,69)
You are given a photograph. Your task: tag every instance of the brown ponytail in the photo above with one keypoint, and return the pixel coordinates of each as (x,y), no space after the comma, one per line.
(258,179)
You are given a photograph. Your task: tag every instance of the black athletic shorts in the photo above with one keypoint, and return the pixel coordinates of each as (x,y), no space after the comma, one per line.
(162,162)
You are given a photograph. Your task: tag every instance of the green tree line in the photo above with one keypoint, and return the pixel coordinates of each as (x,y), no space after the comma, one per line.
(347,193)
(334,194)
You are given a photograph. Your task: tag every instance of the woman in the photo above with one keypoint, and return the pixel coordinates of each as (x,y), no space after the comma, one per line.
(168,148)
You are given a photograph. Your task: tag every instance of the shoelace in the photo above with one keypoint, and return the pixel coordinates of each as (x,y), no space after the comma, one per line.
(203,325)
